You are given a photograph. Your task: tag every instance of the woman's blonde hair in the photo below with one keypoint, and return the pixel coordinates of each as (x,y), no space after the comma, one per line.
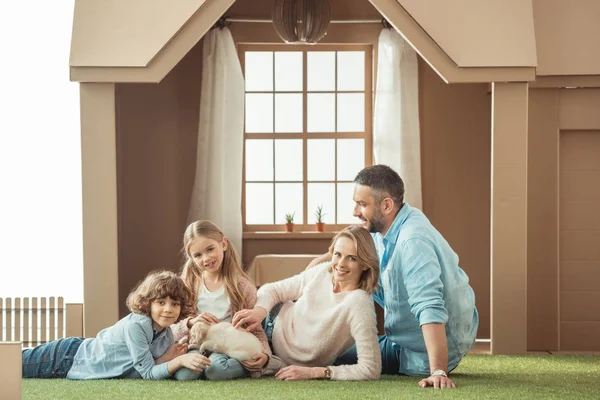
(230,271)
(159,285)
(366,254)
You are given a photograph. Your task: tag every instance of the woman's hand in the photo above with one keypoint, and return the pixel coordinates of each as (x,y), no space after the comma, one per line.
(438,382)
(251,317)
(297,373)
(176,350)
(206,318)
(257,363)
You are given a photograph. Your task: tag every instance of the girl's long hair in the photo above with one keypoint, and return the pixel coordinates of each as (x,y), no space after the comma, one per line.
(231,269)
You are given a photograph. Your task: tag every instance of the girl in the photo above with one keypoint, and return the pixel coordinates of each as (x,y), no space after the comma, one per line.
(333,310)
(138,346)
(212,270)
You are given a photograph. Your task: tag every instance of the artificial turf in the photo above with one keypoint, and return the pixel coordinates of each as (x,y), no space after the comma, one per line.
(477,377)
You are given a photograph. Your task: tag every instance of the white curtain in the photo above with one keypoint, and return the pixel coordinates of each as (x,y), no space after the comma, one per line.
(396,134)
(217,193)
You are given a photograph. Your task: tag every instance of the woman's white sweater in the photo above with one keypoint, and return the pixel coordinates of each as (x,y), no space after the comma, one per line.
(321,325)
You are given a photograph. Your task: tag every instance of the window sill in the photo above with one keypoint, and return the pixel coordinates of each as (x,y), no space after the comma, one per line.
(270,235)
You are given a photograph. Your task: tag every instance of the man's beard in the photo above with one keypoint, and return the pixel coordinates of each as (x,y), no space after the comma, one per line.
(376,223)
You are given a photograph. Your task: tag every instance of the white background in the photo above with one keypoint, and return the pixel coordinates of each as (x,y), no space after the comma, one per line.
(40,157)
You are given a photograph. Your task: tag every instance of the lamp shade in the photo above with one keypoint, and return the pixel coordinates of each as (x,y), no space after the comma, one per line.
(301,21)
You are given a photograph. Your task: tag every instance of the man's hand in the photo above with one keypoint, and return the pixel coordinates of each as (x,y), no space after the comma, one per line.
(252,317)
(257,363)
(438,382)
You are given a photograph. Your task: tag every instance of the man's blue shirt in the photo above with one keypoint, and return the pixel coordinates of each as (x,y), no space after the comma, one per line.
(421,283)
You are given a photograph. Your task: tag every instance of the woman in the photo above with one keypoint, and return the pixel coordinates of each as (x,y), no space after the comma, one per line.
(316,316)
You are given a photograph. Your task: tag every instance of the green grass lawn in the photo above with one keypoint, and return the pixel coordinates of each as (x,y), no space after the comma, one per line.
(478,377)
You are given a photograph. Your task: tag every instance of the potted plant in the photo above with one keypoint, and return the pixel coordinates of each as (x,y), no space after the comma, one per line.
(289,222)
(319,214)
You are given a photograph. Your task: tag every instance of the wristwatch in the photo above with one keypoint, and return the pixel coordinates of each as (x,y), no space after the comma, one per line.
(327,373)
(439,372)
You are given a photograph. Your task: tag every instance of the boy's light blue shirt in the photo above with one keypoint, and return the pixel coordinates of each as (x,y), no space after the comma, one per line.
(421,283)
(125,350)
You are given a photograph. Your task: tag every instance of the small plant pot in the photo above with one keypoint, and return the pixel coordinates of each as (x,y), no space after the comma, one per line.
(289,227)
(320,226)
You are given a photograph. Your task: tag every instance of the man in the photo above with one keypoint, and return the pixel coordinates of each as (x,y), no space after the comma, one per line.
(430,315)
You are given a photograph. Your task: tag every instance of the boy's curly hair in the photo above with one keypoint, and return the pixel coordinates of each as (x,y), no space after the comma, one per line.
(158,285)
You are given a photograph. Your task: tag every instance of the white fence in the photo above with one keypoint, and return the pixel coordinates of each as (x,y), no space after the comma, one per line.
(39,320)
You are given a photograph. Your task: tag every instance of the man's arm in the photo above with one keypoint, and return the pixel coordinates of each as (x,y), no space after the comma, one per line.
(437,346)
(421,273)
(437,351)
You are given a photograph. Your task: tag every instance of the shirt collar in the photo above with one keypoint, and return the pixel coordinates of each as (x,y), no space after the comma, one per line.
(392,233)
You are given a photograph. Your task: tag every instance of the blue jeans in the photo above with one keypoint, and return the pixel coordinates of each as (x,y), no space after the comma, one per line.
(269,324)
(51,360)
(221,368)
(390,357)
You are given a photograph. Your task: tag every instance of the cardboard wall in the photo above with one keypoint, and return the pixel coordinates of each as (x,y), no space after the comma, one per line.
(563,235)
(156,142)
(156,153)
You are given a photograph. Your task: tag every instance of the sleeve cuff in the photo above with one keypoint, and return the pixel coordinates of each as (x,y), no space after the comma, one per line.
(433,316)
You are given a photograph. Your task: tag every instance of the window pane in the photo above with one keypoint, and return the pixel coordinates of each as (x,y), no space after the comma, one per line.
(288,159)
(350,158)
(345,204)
(259,71)
(289,199)
(288,112)
(259,160)
(350,70)
(321,194)
(321,112)
(320,73)
(288,71)
(259,203)
(259,113)
(351,112)
(321,159)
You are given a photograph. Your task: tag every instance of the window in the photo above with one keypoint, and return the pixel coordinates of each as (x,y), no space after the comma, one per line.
(308,132)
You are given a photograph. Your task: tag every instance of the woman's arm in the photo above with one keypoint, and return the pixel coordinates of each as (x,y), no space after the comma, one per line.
(274,293)
(363,328)
(287,289)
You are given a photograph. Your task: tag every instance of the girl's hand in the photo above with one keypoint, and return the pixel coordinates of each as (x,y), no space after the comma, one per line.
(257,363)
(205,317)
(253,318)
(174,351)
(296,373)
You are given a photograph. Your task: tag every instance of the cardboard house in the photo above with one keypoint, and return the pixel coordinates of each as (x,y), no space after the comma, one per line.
(509,93)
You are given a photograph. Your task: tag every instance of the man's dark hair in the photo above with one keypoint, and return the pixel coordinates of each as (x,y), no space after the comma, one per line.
(384,181)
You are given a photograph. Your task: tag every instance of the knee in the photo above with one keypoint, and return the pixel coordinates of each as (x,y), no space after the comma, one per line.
(186,374)
(223,368)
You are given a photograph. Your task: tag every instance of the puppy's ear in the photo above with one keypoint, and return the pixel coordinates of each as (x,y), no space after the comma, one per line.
(197,333)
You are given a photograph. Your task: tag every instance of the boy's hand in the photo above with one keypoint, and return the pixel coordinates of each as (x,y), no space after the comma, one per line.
(194,361)
(174,351)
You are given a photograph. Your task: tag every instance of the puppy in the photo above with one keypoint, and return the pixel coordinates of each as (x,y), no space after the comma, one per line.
(224,338)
